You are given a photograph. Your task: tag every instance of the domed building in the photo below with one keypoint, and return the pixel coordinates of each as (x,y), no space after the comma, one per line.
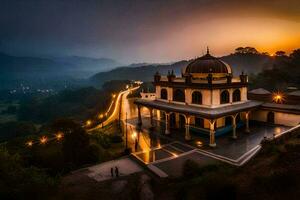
(205,99)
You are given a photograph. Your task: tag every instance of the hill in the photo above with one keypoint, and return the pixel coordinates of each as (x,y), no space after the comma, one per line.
(249,63)
(48,72)
(20,67)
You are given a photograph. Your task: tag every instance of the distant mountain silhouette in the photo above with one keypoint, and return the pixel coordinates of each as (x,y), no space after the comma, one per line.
(22,67)
(249,63)
(144,73)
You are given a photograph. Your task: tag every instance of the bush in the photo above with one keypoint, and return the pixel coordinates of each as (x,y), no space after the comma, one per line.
(276,181)
(218,186)
(16,129)
(102,139)
(116,138)
(18,182)
(93,153)
(269,148)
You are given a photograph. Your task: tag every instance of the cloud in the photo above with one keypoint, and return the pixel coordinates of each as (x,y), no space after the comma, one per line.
(129,30)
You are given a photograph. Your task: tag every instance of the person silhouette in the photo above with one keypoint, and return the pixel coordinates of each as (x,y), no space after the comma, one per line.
(112,172)
(117,171)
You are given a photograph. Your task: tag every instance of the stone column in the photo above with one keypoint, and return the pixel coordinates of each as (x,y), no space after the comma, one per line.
(234,126)
(151,117)
(158,116)
(139,116)
(212,142)
(187,128)
(230,95)
(167,131)
(176,120)
(247,122)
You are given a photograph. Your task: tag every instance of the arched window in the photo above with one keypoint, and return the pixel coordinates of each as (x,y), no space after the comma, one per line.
(224,98)
(199,122)
(271,117)
(178,95)
(236,96)
(197,97)
(163,94)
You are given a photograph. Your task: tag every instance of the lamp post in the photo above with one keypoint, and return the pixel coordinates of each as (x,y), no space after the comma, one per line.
(101,118)
(126,136)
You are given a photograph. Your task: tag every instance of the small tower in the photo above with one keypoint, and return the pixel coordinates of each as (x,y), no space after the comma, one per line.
(244,77)
(171,76)
(157,77)
(229,78)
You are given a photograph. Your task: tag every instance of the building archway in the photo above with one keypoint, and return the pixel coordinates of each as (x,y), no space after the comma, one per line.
(199,122)
(172,120)
(181,122)
(236,96)
(271,117)
(228,121)
(178,95)
(197,97)
(163,94)
(162,115)
(238,118)
(224,97)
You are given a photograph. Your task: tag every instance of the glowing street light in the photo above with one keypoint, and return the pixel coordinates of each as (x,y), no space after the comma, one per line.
(101,116)
(59,136)
(43,140)
(199,143)
(114,96)
(88,122)
(133,135)
(29,143)
(278,97)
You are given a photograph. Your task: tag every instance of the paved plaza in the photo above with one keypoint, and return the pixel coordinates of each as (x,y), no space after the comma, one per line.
(102,171)
(226,145)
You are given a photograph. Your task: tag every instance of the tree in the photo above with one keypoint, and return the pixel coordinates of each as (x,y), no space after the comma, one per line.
(280,53)
(246,50)
(16,129)
(250,50)
(295,54)
(76,144)
(19,182)
(239,50)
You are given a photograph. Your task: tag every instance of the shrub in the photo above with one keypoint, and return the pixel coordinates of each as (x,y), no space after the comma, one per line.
(116,138)
(276,181)
(19,182)
(218,186)
(102,139)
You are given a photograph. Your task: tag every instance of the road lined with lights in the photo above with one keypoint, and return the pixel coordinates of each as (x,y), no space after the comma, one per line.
(115,114)
(44,139)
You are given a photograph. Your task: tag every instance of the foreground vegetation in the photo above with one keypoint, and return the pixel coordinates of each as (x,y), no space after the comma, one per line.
(34,171)
(272,174)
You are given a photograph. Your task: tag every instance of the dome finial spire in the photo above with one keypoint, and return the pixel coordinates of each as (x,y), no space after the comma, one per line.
(207,50)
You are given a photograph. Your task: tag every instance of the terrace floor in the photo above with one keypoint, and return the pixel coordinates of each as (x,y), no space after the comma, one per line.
(148,139)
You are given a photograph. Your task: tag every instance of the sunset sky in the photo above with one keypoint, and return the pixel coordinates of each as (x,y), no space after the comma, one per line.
(146,31)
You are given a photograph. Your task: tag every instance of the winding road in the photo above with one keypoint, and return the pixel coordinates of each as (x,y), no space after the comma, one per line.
(117,107)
